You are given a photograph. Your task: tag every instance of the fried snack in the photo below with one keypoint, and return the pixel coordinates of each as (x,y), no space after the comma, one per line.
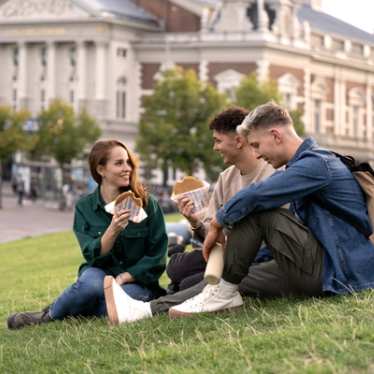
(187,184)
(127,200)
(193,188)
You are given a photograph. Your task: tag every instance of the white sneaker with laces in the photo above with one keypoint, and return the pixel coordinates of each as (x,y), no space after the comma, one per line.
(213,298)
(120,306)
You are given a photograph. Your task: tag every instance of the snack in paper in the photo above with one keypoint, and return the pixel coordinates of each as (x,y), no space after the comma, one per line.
(128,201)
(194,189)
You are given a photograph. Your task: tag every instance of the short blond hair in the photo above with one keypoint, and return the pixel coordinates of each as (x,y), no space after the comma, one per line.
(265,115)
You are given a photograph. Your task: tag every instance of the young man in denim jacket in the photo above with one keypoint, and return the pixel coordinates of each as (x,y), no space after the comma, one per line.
(320,244)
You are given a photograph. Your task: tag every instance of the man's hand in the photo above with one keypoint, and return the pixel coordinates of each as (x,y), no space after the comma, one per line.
(215,234)
(124,278)
(186,207)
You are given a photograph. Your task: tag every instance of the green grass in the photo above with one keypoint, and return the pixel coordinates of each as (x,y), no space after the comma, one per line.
(332,335)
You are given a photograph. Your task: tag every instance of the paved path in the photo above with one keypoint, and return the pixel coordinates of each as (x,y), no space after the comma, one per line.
(31,219)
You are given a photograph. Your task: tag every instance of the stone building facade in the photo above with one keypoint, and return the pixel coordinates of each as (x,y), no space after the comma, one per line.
(105,55)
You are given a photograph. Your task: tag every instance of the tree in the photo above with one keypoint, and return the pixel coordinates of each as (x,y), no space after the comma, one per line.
(13,138)
(251,93)
(173,130)
(64,136)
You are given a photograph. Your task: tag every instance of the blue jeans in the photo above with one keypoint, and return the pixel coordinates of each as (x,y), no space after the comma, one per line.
(86,296)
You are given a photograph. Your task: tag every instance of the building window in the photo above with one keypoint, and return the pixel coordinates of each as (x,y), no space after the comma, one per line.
(42,99)
(43,62)
(121,98)
(317,115)
(15,58)
(288,86)
(15,98)
(73,62)
(355,119)
(228,81)
(71,97)
(121,52)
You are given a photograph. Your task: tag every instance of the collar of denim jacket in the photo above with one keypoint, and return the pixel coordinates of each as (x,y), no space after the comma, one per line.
(307,144)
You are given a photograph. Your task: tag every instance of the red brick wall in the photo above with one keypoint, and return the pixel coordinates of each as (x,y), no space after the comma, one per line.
(276,71)
(148,72)
(329,90)
(349,85)
(176,18)
(215,68)
(189,66)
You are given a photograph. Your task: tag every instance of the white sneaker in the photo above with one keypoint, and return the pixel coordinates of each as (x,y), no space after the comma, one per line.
(213,298)
(120,306)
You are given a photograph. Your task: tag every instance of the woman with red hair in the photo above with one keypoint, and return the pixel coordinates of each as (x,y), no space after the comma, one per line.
(134,253)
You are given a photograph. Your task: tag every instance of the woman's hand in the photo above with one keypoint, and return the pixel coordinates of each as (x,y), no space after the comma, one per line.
(124,278)
(214,235)
(186,207)
(119,221)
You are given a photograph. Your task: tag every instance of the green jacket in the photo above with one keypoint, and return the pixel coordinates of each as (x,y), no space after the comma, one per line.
(139,249)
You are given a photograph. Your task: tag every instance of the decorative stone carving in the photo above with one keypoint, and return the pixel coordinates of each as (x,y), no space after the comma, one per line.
(38,8)
(228,80)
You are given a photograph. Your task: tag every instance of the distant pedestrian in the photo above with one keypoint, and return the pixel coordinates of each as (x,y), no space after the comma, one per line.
(20,190)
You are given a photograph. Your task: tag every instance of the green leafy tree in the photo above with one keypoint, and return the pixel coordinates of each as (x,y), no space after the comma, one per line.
(12,136)
(173,131)
(251,93)
(64,136)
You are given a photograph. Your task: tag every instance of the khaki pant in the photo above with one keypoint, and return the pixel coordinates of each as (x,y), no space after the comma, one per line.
(296,269)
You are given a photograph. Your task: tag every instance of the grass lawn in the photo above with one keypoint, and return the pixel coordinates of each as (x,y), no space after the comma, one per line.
(332,335)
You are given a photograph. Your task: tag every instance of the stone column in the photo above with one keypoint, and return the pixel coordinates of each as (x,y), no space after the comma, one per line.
(337,107)
(51,72)
(100,70)
(343,117)
(262,16)
(262,71)
(81,74)
(203,71)
(100,75)
(308,120)
(369,111)
(22,75)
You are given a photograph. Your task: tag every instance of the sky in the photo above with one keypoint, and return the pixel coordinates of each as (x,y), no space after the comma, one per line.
(359,13)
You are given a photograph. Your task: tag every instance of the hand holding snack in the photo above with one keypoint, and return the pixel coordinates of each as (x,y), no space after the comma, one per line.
(120,221)
(129,202)
(193,189)
(187,208)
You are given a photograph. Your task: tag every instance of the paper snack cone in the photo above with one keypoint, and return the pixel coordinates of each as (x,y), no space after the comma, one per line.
(214,266)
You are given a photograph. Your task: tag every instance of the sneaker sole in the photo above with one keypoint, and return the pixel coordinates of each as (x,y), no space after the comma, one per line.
(109,301)
(174,314)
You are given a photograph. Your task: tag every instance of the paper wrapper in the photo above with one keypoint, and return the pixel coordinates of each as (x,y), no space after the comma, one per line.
(214,266)
(199,197)
(137,214)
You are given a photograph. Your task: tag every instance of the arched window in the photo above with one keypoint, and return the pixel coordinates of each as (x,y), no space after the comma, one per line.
(228,81)
(288,85)
(318,99)
(357,102)
(121,98)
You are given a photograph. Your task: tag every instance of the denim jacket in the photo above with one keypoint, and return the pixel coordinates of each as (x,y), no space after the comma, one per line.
(317,183)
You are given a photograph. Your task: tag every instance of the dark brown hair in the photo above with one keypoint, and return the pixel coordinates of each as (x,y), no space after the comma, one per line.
(99,155)
(229,119)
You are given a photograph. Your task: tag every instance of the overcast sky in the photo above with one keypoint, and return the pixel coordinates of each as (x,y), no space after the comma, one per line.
(357,12)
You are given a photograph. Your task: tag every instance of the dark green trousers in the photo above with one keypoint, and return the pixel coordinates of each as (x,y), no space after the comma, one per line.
(297,267)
